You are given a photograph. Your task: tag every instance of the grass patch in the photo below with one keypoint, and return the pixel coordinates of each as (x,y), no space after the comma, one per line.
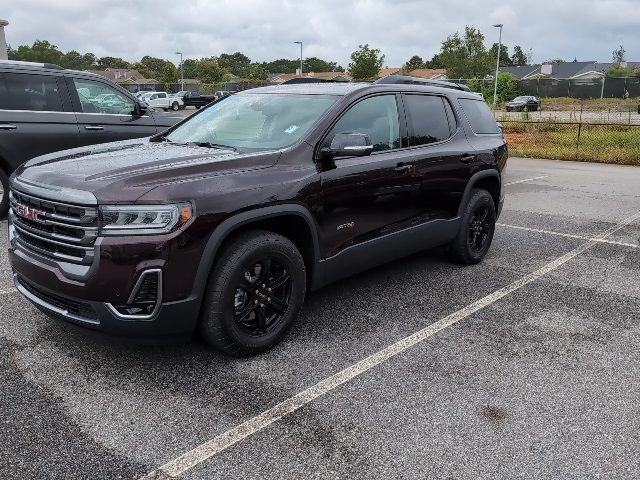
(597,143)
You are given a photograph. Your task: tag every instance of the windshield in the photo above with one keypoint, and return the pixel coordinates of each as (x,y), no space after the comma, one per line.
(254,121)
(520,99)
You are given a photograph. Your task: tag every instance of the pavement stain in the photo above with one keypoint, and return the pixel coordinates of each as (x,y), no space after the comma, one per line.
(494,415)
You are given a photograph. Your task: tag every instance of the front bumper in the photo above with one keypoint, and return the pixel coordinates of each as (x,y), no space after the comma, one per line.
(174,320)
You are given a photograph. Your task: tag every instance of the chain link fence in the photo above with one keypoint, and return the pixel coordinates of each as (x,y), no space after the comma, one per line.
(574,140)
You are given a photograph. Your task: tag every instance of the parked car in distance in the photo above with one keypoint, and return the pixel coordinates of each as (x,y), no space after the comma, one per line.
(194,99)
(163,100)
(222,94)
(45,108)
(222,223)
(522,103)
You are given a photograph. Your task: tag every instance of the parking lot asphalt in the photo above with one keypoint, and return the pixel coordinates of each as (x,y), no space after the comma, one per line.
(539,382)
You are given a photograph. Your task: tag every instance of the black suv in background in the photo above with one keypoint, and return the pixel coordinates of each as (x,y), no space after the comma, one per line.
(45,108)
(222,223)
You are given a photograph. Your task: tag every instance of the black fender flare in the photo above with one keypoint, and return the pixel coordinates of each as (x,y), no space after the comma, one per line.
(471,183)
(231,224)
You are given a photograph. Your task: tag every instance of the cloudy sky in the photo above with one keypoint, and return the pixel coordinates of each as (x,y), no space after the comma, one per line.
(330,29)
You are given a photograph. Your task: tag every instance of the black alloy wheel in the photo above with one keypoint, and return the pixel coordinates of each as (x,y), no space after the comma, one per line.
(254,293)
(479,229)
(262,297)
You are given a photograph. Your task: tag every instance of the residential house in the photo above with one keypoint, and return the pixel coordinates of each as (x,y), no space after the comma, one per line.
(566,70)
(429,73)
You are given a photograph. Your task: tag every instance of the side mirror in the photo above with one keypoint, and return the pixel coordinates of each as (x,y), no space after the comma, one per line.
(348,145)
(141,108)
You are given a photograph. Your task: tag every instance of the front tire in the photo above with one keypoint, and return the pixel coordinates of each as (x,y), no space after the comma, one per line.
(4,194)
(175,107)
(254,293)
(476,230)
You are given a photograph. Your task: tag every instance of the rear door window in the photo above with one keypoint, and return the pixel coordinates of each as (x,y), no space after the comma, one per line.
(428,122)
(38,93)
(479,116)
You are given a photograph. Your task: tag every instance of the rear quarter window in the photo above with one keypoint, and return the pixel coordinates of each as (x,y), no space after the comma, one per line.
(479,116)
(31,92)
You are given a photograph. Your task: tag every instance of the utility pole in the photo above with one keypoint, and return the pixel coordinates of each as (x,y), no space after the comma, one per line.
(181,72)
(495,86)
(300,57)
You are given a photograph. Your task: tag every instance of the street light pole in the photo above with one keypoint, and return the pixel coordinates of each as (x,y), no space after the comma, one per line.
(300,57)
(181,72)
(495,86)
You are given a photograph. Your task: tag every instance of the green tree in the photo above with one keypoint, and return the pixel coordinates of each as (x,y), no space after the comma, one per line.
(365,63)
(155,65)
(169,74)
(617,71)
(236,63)
(505,60)
(619,55)
(208,71)
(189,68)
(466,56)
(518,59)
(111,62)
(256,71)
(435,62)
(282,65)
(507,87)
(414,63)
(76,61)
(41,51)
(315,64)
(143,70)
(555,60)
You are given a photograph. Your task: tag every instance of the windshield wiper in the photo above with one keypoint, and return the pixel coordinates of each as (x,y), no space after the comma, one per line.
(212,145)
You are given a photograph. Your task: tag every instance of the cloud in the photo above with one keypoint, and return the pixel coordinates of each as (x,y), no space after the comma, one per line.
(330,29)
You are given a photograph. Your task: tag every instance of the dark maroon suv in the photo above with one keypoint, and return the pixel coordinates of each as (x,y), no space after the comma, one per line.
(222,223)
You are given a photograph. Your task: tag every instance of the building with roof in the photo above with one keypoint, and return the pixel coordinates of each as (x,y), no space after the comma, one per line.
(565,70)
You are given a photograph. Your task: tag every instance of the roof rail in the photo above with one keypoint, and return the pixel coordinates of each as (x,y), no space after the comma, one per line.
(51,66)
(407,80)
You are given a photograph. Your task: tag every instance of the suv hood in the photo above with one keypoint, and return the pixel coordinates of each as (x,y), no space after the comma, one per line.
(121,172)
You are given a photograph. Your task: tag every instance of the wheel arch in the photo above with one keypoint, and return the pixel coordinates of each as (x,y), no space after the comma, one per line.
(293,221)
(488,180)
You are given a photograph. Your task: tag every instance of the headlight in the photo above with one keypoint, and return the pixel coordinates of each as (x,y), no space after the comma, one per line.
(143,219)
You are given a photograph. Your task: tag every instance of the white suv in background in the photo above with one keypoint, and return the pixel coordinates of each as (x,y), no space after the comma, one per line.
(162,100)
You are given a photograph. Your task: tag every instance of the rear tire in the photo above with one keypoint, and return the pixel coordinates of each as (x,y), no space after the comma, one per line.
(175,107)
(476,230)
(254,293)
(4,194)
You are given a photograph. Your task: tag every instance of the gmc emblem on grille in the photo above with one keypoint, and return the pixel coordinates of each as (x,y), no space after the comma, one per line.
(30,213)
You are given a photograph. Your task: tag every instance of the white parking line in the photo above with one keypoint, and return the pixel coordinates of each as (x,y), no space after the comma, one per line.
(201,453)
(526,180)
(569,235)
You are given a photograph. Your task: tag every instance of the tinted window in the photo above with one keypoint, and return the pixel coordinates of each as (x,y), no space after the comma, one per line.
(97,97)
(31,92)
(428,119)
(453,125)
(375,116)
(479,116)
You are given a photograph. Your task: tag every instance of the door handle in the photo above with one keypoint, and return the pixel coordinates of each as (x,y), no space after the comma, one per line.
(7,126)
(404,168)
(94,127)
(467,158)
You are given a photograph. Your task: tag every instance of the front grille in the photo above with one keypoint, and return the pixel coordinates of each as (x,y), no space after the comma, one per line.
(79,309)
(62,232)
